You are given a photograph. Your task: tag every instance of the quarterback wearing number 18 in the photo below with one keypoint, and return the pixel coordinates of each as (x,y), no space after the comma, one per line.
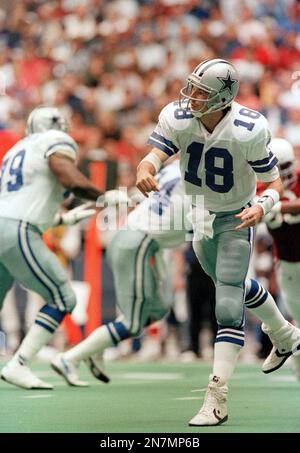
(223,150)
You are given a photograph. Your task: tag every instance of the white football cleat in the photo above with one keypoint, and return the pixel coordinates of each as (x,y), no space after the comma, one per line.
(68,370)
(286,341)
(214,409)
(20,375)
(95,365)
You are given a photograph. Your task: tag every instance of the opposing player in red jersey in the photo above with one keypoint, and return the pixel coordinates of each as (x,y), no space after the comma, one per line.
(283,223)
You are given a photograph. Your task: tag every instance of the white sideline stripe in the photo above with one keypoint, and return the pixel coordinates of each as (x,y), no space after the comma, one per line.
(152,376)
(251,376)
(188,398)
(289,378)
(37,396)
(199,390)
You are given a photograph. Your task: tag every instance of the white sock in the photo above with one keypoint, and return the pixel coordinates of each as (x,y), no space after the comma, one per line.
(96,342)
(269,313)
(262,305)
(35,339)
(225,358)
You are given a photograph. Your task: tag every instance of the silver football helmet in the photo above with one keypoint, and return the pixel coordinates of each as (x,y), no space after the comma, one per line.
(218,78)
(284,152)
(44,118)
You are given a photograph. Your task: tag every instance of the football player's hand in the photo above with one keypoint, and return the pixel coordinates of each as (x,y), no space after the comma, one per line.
(250,216)
(146,182)
(113,198)
(75,215)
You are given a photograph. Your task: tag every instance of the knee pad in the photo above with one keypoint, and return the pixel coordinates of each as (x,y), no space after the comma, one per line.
(233,262)
(229,305)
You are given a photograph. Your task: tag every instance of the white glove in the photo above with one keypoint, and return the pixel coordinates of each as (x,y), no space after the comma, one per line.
(75,215)
(113,197)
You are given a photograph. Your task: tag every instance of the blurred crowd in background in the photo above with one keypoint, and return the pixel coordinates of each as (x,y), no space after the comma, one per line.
(111,65)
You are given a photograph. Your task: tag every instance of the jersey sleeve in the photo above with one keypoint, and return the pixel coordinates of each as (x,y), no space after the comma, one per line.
(261,159)
(58,142)
(163,137)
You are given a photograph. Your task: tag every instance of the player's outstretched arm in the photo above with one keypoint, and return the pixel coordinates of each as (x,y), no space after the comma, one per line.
(287,207)
(75,215)
(269,198)
(147,169)
(71,178)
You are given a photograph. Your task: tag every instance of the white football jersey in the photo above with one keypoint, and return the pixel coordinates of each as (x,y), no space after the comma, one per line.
(29,189)
(222,165)
(163,214)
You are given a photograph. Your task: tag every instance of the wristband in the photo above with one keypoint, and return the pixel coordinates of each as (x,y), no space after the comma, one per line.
(268,199)
(154,160)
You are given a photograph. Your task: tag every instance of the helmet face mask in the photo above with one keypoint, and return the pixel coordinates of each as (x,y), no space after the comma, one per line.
(43,119)
(192,97)
(218,78)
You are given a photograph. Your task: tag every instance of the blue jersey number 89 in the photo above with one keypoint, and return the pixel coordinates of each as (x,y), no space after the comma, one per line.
(212,170)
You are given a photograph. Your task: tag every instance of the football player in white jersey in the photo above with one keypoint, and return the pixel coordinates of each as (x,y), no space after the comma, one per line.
(223,147)
(36,176)
(283,223)
(135,257)
(158,223)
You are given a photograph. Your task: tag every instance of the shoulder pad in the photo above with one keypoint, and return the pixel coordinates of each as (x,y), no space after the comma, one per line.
(248,125)
(175,117)
(58,141)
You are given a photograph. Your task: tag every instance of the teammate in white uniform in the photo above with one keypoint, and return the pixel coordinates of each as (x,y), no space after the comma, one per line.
(36,175)
(223,147)
(134,255)
(283,223)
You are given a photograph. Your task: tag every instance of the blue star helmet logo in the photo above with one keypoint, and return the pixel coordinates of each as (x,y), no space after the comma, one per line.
(227,82)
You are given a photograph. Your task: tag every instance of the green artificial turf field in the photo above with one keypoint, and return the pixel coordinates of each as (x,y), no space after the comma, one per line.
(151,398)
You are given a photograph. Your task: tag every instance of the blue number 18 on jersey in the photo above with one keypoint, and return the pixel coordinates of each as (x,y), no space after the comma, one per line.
(195,151)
